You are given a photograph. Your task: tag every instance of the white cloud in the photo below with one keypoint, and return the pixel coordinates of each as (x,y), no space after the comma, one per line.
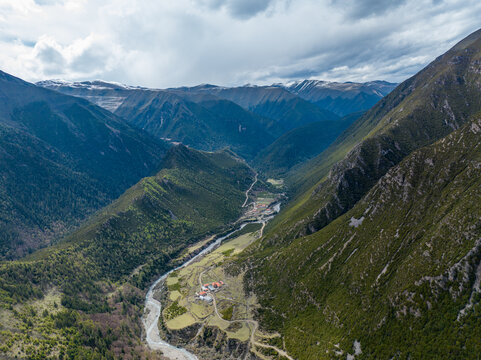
(186,42)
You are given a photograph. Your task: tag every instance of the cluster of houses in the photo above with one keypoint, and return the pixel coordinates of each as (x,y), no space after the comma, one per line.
(206,289)
(257,209)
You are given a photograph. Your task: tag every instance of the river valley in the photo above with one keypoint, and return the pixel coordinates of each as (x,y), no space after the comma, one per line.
(260,211)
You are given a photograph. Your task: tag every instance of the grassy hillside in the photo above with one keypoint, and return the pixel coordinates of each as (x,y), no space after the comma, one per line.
(300,145)
(62,158)
(421,110)
(99,272)
(399,272)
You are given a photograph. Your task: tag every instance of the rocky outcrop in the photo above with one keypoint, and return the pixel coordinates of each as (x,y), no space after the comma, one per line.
(209,342)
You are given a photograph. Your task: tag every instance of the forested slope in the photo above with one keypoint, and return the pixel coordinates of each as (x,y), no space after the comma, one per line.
(98,274)
(62,158)
(421,110)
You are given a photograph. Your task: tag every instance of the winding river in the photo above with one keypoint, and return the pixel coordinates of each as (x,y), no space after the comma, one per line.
(153,308)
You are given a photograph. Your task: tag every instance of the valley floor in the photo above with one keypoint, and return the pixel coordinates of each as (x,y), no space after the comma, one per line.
(202,295)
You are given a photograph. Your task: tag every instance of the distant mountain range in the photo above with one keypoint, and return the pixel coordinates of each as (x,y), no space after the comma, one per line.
(247,119)
(335,97)
(285,111)
(341,98)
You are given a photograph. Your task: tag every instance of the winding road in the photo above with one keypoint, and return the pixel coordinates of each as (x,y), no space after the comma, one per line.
(248,191)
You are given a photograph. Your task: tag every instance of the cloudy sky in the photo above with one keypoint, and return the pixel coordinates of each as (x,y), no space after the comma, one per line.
(165,43)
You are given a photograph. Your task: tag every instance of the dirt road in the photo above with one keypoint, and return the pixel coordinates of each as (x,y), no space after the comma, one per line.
(248,191)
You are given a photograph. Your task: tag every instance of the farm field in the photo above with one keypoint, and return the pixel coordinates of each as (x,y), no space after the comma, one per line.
(185,284)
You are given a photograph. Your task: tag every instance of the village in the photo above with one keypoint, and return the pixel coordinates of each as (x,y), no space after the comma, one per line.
(264,206)
(256,209)
(207,289)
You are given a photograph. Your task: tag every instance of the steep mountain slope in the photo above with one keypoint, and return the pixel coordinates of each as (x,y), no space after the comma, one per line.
(286,111)
(398,276)
(418,112)
(341,98)
(200,120)
(62,159)
(300,145)
(207,118)
(98,274)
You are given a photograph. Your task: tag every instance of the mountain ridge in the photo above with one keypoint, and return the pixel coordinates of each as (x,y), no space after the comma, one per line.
(383,251)
(80,153)
(367,277)
(341,98)
(419,111)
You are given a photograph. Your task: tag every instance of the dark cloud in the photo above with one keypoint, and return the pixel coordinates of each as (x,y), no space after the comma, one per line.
(241,9)
(364,8)
(247,8)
